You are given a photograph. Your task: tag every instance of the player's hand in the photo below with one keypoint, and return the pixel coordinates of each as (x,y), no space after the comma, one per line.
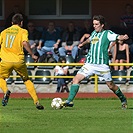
(80,45)
(35,57)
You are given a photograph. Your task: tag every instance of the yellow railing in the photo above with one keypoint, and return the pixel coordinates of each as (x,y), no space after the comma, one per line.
(76,64)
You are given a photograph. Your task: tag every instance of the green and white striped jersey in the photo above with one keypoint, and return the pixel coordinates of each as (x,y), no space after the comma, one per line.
(99,43)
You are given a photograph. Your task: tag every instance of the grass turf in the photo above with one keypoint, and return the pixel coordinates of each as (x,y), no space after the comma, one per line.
(87,116)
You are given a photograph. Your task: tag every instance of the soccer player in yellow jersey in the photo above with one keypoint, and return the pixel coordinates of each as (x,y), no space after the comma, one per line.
(12,41)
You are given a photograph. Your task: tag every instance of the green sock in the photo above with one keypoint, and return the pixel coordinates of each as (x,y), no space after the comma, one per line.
(120,95)
(73,91)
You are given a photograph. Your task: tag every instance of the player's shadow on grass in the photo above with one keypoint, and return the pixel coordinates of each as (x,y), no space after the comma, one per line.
(130,108)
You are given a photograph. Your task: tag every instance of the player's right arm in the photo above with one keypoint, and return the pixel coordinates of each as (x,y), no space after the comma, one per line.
(83,43)
(26,44)
(85,36)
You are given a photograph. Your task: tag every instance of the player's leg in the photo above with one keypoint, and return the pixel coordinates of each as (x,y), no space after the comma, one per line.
(5,70)
(21,69)
(84,71)
(3,85)
(7,92)
(115,89)
(6,98)
(104,71)
(73,90)
(31,90)
(118,92)
(75,86)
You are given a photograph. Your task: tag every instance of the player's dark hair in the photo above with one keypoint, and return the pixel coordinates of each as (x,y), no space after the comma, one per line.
(17,19)
(99,18)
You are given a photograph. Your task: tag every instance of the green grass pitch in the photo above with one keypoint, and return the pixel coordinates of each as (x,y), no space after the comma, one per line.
(87,116)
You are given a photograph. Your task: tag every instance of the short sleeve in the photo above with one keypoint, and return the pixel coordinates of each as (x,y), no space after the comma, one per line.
(112,36)
(24,35)
(0,39)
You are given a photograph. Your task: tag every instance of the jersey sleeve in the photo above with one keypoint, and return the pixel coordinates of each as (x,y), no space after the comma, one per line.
(0,45)
(24,35)
(0,40)
(112,36)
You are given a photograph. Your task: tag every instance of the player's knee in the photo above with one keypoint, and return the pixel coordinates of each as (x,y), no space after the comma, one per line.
(75,80)
(78,78)
(111,85)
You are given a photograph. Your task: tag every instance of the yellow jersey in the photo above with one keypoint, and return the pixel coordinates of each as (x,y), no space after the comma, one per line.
(11,43)
(0,48)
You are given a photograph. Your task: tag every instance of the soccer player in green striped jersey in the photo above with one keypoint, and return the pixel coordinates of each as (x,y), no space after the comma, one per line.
(97,61)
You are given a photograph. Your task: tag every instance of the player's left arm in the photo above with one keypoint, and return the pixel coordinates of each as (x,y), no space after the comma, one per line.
(113,36)
(123,37)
